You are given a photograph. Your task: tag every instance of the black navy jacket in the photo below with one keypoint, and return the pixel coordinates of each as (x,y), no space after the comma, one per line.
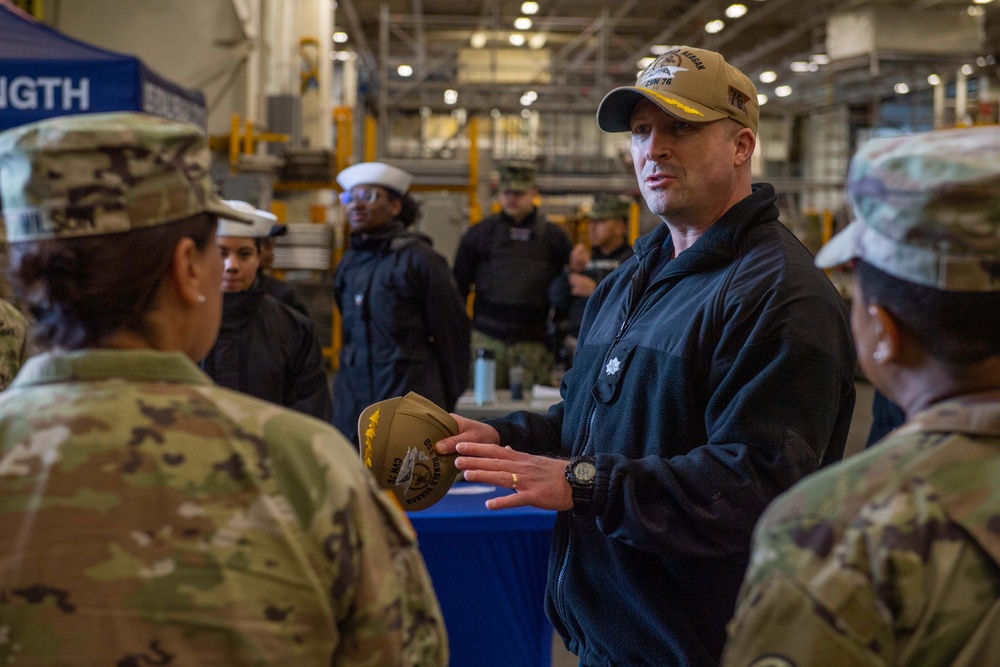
(405,326)
(703,394)
(568,308)
(281,291)
(270,351)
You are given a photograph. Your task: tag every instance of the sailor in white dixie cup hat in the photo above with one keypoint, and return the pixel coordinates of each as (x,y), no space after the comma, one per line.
(264,348)
(404,323)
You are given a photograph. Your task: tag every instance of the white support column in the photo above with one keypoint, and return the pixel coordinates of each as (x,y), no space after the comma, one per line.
(961,97)
(939,99)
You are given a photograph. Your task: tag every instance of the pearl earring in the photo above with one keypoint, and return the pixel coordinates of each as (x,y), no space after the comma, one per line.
(202,298)
(878,355)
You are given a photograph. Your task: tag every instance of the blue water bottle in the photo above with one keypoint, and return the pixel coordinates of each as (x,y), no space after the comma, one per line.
(484,377)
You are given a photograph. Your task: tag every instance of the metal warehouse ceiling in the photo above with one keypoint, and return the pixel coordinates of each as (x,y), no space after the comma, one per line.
(582,48)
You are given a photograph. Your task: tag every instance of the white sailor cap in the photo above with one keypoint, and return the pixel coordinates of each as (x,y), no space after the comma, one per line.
(375,173)
(260,228)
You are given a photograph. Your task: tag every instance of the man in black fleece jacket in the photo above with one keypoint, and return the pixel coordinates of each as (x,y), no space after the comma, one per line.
(714,369)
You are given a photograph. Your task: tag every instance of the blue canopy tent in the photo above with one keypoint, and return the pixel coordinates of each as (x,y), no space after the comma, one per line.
(44,73)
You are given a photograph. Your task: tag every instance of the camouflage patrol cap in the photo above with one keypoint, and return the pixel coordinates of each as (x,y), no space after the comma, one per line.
(94,174)
(517,176)
(691,84)
(927,210)
(397,438)
(610,207)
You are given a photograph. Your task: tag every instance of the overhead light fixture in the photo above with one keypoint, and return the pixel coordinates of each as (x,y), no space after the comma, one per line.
(736,10)
(982,2)
(715,26)
(819,59)
(340,37)
(495,113)
(761,99)
(975,11)
(768,77)
(525,114)
(517,39)
(425,112)
(659,49)
(981,61)
(799,66)
(643,63)
(934,80)
(478,40)
(450,96)
(901,88)
(967,70)
(522,23)
(404,70)
(783,91)
(529,7)
(537,40)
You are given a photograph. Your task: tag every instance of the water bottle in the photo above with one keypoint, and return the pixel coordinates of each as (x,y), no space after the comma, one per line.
(517,381)
(484,381)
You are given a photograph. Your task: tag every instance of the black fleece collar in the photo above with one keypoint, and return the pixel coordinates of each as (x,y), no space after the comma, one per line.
(720,242)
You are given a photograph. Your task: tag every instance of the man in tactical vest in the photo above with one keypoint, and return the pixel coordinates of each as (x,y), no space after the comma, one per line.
(511,258)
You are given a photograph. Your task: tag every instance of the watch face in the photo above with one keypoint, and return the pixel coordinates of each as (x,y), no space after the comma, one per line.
(584,471)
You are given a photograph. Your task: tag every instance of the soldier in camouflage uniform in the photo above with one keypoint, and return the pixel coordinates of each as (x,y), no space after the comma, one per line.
(13,342)
(148,516)
(891,558)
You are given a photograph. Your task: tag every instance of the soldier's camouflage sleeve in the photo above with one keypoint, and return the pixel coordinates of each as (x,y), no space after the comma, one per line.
(175,522)
(13,342)
(862,564)
(392,613)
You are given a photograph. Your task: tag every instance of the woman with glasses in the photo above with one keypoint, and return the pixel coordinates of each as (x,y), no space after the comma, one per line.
(404,323)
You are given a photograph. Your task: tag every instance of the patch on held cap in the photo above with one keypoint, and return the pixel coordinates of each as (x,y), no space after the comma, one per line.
(397,438)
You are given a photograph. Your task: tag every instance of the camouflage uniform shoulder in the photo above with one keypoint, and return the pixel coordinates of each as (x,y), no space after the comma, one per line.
(839,491)
(204,508)
(889,554)
(13,342)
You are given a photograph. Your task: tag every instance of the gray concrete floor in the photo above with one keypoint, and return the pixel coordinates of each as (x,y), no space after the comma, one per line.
(856,439)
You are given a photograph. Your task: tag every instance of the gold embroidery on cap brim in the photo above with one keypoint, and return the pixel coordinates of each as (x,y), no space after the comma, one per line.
(666,100)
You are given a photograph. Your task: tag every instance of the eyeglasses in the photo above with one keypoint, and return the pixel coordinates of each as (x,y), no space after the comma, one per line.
(363,195)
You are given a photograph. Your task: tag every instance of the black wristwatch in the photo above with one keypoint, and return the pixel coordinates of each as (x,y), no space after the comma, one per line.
(581,472)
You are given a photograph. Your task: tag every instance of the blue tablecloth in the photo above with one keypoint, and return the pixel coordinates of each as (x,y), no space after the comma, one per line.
(489,569)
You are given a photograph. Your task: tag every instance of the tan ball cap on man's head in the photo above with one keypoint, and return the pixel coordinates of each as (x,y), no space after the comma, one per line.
(397,438)
(688,83)
(93,174)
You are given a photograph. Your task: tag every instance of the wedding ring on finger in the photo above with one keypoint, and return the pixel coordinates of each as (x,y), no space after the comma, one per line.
(513,481)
